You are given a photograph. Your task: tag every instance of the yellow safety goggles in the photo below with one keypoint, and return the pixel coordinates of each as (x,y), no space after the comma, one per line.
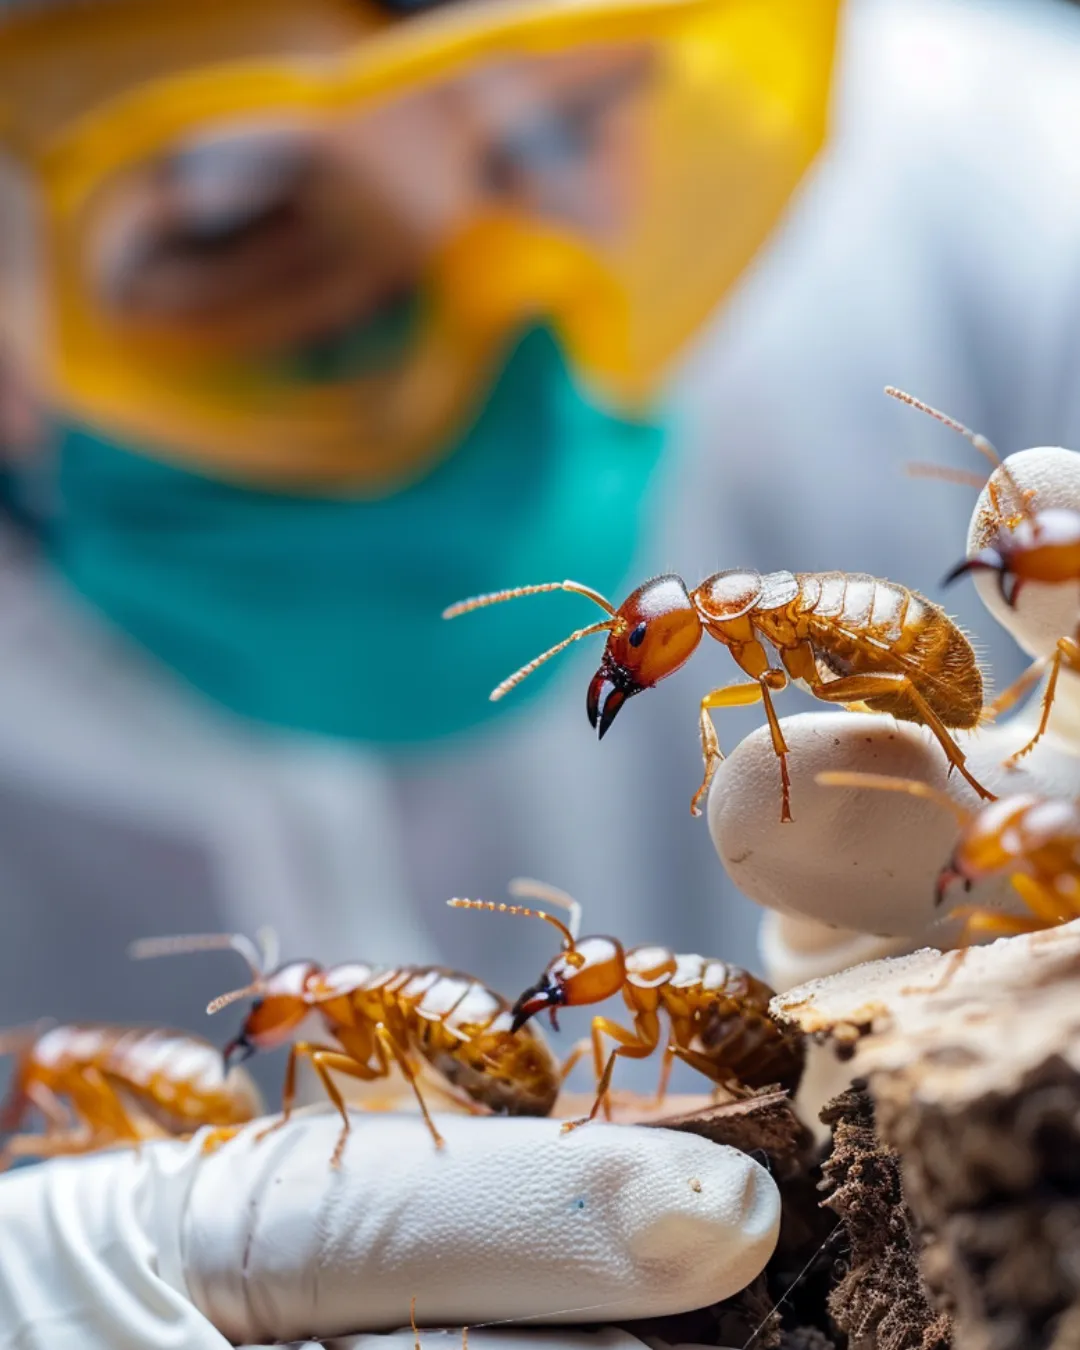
(306,267)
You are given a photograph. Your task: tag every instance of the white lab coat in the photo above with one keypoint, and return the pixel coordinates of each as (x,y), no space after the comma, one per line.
(937,247)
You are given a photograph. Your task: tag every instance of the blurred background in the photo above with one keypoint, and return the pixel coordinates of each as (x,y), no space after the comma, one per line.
(319,315)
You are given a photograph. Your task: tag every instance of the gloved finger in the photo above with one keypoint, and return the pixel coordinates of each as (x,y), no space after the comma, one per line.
(260,1242)
(511,1221)
(856,858)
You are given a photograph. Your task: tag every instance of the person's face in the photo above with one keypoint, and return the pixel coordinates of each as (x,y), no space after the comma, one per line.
(295,248)
(293,240)
(274,237)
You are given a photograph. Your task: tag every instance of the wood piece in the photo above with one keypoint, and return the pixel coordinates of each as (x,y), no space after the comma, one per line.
(973,1063)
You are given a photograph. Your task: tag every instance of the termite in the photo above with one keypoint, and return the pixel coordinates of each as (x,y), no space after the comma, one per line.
(1033,840)
(718,1015)
(378,1017)
(100,1086)
(874,646)
(1024,545)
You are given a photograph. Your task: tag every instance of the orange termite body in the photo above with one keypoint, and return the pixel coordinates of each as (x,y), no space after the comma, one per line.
(1033,840)
(376,1018)
(98,1086)
(848,638)
(718,1015)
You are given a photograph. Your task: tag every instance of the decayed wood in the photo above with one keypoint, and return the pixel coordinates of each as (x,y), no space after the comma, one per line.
(765,1123)
(973,1064)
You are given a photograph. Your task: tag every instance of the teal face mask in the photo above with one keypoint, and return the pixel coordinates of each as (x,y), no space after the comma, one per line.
(323,615)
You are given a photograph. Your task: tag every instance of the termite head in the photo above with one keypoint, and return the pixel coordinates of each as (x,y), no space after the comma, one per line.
(282,1001)
(1017,543)
(281,995)
(659,631)
(1044,547)
(588,972)
(650,636)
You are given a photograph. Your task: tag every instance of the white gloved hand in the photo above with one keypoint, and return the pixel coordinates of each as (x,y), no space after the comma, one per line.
(173,1249)
(852,877)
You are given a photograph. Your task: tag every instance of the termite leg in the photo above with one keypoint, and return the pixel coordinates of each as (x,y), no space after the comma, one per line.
(61,1144)
(1066,653)
(50,1106)
(665,1074)
(776,679)
(1010,522)
(728,696)
(95,1100)
(989,922)
(577,1053)
(60,1124)
(886,684)
(323,1059)
(453,1095)
(1043,901)
(391,1047)
(721,1077)
(629,1045)
(288,1091)
(1016,691)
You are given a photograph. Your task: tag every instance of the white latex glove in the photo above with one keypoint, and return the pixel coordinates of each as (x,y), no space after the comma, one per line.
(852,877)
(512,1221)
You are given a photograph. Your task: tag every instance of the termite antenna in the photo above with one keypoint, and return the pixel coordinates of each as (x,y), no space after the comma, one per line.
(497,908)
(526,888)
(512,681)
(269,949)
(964,477)
(976,438)
(147,948)
(13,1040)
(234,996)
(886,783)
(497,597)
